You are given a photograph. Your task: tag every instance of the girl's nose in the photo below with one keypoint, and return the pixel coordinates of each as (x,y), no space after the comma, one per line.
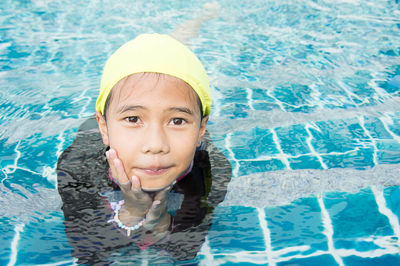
(154,140)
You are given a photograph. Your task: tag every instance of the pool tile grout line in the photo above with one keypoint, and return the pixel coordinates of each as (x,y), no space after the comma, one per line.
(267,157)
(311,147)
(349,93)
(267,235)
(14,244)
(88,100)
(282,156)
(382,207)
(250,98)
(10,169)
(235,170)
(362,124)
(385,120)
(327,222)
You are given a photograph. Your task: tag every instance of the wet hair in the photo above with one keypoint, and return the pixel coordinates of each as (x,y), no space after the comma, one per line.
(158,75)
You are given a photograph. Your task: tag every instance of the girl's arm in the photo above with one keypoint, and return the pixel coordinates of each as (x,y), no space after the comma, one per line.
(189,29)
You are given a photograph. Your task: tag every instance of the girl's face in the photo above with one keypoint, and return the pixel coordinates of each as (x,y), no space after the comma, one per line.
(153,121)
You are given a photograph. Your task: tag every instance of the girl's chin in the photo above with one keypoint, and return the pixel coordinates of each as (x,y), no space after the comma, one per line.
(154,188)
(149,190)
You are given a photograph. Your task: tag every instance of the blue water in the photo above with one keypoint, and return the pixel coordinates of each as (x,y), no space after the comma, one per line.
(306,108)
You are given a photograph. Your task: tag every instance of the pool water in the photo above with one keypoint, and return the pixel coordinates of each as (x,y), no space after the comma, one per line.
(306,108)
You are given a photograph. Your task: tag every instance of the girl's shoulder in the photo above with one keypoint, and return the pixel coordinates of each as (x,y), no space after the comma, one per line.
(84,160)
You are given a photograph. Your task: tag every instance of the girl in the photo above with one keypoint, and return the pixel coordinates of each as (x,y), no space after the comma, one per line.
(149,176)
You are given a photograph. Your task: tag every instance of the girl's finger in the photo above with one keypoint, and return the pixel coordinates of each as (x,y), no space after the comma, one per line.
(159,205)
(154,213)
(120,172)
(163,194)
(117,168)
(136,186)
(138,193)
(110,155)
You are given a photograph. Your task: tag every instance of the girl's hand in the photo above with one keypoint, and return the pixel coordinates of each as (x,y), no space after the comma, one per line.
(139,204)
(158,218)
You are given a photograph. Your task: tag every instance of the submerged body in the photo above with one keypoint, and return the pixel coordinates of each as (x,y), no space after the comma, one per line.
(90,197)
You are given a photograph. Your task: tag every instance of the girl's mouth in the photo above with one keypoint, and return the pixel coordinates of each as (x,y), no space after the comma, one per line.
(154,170)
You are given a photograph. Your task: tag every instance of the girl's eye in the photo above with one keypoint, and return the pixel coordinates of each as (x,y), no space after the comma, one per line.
(178,121)
(132,119)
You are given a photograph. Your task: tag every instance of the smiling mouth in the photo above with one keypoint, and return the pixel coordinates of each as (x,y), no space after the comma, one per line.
(154,171)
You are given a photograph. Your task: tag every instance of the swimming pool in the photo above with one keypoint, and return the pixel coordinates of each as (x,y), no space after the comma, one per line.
(306,108)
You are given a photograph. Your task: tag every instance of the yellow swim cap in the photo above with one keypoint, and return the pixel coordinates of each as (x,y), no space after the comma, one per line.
(156,53)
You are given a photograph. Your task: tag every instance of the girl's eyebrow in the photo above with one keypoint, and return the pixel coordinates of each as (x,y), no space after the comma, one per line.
(182,110)
(126,108)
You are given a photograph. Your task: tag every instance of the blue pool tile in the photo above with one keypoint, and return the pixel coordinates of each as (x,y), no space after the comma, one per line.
(301,109)
(304,162)
(246,57)
(358,82)
(360,159)
(20,177)
(240,147)
(236,229)
(330,90)
(395,126)
(297,224)
(385,260)
(262,101)
(376,128)
(265,106)
(235,110)
(262,94)
(293,94)
(357,133)
(325,260)
(389,52)
(293,139)
(251,167)
(7,234)
(354,217)
(67,104)
(231,70)
(7,154)
(392,198)
(259,139)
(339,105)
(388,151)
(392,85)
(337,136)
(361,246)
(41,55)
(235,95)
(37,152)
(49,236)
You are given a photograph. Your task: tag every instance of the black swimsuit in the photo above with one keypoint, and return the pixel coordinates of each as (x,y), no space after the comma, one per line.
(88,196)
